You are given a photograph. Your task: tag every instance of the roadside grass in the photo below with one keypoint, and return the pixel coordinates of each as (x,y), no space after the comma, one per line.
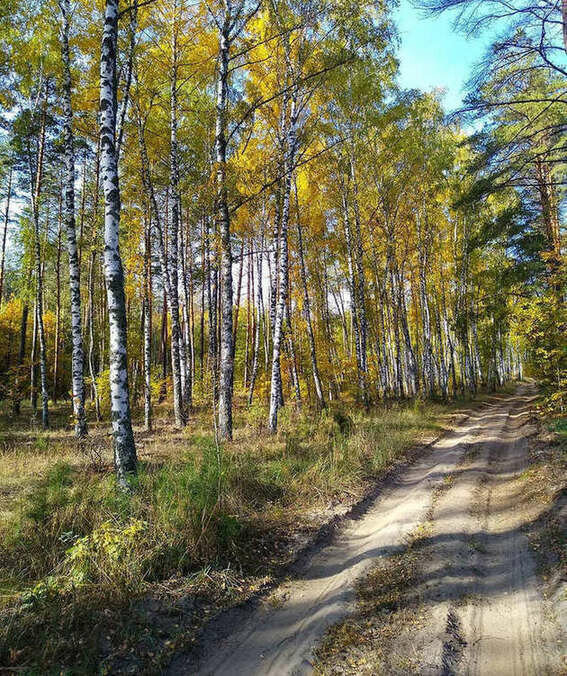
(202,520)
(545,486)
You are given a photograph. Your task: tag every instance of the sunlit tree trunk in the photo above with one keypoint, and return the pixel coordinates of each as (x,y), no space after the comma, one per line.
(21,357)
(212,304)
(226,380)
(129,71)
(249,313)
(238,295)
(259,318)
(187,341)
(307,309)
(36,193)
(124,448)
(169,279)
(283,267)
(428,374)
(360,287)
(171,261)
(5,233)
(292,355)
(91,321)
(77,358)
(354,300)
(57,340)
(147,315)
(33,363)
(93,371)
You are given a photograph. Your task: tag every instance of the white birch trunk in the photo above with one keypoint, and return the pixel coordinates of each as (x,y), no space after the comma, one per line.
(124,448)
(226,380)
(36,192)
(283,269)
(77,358)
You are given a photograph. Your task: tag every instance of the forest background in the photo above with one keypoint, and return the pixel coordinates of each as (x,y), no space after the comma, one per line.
(233,238)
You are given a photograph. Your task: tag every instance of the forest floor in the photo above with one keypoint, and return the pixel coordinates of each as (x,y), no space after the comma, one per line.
(95,580)
(327,545)
(458,566)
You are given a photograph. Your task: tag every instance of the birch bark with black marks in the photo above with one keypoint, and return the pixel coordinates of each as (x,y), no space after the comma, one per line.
(147,316)
(124,447)
(226,376)
(77,357)
(187,355)
(427,354)
(57,340)
(177,347)
(238,295)
(307,309)
(91,321)
(93,371)
(259,309)
(353,284)
(283,263)
(212,293)
(169,279)
(360,287)
(412,374)
(128,79)
(36,194)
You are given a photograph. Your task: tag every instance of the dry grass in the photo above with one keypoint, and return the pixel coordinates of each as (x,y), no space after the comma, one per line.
(363,643)
(79,557)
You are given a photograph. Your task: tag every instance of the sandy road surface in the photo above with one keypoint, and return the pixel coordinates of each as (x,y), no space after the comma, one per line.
(485,615)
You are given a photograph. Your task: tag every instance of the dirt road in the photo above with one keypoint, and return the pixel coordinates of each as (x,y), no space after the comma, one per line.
(485,613)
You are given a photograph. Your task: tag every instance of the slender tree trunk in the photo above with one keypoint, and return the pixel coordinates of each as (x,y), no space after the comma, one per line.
(57,341)
(124,448)
(77,382)
(226,381)
(238,292)
(121,114)
(187,342)
(189,302)
(307,309)
(82,210)
(427,356)
(91,320)
(39,271)
(33,365)
(212,295)
(5,233)
(359,266)
(283,265)
(21,357)
(204,275)
(163,340)
(177,348)
(354,281)
(292,355)
(169,275)
(249,314)
(147,314)
(259,317)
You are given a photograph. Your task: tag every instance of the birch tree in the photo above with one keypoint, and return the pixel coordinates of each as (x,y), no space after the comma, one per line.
(124,447)
(77,381)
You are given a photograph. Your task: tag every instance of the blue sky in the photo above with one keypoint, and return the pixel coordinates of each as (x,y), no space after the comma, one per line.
(433,54)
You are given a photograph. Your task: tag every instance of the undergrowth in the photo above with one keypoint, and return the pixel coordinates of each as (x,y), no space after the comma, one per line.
(77,551)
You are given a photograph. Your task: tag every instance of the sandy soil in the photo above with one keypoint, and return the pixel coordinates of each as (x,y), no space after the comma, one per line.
(485,613)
